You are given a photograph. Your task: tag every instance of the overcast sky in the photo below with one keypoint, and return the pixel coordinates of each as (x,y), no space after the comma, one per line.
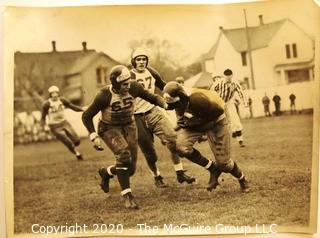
(110,28)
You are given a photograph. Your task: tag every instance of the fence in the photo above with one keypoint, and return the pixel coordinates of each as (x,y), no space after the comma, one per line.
(304,93)
(28,130)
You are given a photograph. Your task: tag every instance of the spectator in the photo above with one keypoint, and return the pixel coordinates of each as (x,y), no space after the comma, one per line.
(250,106)
(292,98)
(277,99)
(266,104)
(19,130)
(29,126)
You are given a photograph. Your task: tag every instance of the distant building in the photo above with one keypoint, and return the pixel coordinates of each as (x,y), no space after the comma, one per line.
(282,53)
(78,74)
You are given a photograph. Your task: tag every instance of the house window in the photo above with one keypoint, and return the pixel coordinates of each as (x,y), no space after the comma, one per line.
(298,75)
(288,54)
(244,58)
(294,50)
(101,75)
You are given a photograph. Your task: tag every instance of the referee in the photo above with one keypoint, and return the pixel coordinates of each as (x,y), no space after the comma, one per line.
(227,88)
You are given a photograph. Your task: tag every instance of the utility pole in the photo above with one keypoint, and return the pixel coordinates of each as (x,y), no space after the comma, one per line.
(249,51)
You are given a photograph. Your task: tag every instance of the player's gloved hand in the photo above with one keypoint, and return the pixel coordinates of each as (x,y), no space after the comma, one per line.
(161,103)
(97,144)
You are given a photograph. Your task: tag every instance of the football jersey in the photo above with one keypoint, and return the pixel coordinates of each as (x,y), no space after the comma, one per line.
(227,90)
(117,109)
(56,112)
(120,108)
(149,79)
(203,104)
(148,82)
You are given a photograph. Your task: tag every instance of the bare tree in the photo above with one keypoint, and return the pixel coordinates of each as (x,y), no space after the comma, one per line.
(167,57)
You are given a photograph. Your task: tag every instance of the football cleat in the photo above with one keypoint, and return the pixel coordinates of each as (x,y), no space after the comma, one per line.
(183,177)
(241,143)
(244,185)
(214,176)
(129,201)
(105,178)
(158,181)
(79,157)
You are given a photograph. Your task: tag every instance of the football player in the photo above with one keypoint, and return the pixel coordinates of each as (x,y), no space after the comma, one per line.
(54,108)
(227,88)
(117,127)
(202,112)
(151,121)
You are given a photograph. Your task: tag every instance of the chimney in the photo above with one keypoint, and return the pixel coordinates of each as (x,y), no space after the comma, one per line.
(261,19)
(53,46)
(221,28)
(84,46)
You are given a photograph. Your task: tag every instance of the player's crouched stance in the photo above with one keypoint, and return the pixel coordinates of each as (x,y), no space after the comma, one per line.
(202,112)
(117,127)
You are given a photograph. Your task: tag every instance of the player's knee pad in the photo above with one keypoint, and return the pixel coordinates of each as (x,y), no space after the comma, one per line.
(123,158)
(226,168)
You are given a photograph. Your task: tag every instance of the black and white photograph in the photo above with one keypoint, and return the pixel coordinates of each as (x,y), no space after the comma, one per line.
(162,120)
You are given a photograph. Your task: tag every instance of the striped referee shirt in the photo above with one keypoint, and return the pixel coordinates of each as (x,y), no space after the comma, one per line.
(227,90)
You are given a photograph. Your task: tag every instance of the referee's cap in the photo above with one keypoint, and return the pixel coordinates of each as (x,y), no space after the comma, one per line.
(227,72)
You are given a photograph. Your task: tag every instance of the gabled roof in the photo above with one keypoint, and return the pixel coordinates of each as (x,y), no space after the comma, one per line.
(260,36)
(204,81)
(211,53)
(55,64)
(83,62)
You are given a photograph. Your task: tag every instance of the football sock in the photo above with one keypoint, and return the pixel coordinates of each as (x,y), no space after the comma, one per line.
(127,191)
(236,171)
(197,158)
(112,170)
(153,169)
(178,167)
(77,152)
(123,178)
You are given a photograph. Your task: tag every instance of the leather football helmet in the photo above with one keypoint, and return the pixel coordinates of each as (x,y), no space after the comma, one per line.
(118,75)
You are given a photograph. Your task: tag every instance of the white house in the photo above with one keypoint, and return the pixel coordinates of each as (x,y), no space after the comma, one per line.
(282,61)
(282,53)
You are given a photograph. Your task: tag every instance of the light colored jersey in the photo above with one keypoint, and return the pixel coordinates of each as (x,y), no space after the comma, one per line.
(148,82)
(56,112)
(227,90)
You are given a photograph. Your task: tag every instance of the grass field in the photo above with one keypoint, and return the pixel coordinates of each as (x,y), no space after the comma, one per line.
(51,187)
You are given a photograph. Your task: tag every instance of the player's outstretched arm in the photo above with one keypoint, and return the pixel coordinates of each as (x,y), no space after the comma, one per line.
(137,90)
(160,83)
(70,105)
